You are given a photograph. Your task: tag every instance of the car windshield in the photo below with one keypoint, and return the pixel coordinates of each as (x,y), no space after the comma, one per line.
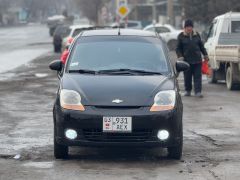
(109,53)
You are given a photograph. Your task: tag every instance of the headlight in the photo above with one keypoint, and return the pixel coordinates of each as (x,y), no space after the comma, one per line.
(70,99)
(163,101)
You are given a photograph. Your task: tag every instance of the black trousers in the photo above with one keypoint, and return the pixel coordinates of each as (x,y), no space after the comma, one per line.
(195,73)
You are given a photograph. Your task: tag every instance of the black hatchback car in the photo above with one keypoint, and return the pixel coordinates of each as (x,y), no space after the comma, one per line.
(118,88)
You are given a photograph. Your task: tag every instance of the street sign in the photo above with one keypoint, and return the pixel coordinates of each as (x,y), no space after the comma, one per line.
(122,8)
(123,11)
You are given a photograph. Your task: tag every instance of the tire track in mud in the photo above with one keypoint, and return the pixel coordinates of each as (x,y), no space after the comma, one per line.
(211,163)
(207,139)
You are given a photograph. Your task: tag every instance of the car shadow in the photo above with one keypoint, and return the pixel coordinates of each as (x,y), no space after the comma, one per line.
(118,154)
(147,157)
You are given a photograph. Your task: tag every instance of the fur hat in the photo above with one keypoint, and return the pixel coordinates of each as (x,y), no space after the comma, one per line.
(188,23)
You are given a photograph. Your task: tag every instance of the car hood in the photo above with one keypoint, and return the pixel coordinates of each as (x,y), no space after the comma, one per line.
(102,90)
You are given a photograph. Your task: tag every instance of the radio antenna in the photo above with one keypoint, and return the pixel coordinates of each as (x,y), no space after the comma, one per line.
(118,25)
(119,32)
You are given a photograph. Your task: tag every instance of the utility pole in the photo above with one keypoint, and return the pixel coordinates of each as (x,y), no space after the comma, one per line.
(170,12)
(154,11)
(135,3)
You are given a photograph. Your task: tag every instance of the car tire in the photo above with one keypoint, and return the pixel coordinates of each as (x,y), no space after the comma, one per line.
(231,84)
(60,151)
(175,152)
(212,77)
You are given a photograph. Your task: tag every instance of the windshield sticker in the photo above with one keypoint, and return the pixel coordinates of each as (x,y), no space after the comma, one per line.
(74,64)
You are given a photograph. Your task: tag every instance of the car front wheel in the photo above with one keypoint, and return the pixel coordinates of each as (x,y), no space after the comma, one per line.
(232,83)
(60,151)
(175,152)
(212,77)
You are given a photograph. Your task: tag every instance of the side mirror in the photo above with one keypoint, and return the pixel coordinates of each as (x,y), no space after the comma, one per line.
(182,66)
(56,65)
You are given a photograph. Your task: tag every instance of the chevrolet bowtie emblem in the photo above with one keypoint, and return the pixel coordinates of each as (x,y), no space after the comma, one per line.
(118,101)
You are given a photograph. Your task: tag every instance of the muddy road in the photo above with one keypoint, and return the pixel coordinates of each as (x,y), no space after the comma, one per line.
(211,136)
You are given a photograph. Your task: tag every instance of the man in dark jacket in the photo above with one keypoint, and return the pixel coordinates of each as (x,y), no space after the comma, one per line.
(190,49)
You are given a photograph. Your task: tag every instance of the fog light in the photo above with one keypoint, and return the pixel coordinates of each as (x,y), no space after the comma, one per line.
(163,135)
(71,134)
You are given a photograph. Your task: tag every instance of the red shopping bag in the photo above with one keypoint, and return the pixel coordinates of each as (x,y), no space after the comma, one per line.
(205,68)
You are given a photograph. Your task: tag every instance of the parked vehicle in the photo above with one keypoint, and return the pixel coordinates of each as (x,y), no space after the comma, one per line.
(223,46)
(74,31)
(118,89)
(128,24)
(53,22)
(167,32)
(61,32)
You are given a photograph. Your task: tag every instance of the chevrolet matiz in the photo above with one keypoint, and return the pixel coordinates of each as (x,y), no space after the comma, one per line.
(118,88)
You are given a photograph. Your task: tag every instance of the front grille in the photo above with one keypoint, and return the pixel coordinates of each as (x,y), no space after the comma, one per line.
(135,136)
(118,107)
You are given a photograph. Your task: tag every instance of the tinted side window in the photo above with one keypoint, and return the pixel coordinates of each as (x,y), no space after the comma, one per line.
(162,30)
(132,24)
(159,29)
(235,26)
(210,33)
(212,30)
(151,29)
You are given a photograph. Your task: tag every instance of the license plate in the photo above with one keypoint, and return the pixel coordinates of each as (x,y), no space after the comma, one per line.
(117,124)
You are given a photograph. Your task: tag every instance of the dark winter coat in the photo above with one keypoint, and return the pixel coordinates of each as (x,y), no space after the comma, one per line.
(190,47)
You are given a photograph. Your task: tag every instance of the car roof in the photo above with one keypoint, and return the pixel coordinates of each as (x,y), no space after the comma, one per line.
(129,21)
(153,25)
(159,25)
(80,26)
(123,32)
(229,15)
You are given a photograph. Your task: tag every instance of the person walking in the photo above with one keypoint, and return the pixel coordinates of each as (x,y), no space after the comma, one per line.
(190,49)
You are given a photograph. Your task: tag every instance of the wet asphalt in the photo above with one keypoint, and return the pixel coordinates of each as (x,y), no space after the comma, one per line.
(211,135)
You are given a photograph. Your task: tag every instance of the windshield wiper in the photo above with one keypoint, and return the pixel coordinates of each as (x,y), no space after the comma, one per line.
(128,71)
(116,72)
(83,71)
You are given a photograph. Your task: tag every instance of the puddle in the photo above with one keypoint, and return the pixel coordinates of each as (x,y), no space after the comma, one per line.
(6,76)
(41,165)
(19,57)
(41,75)
(30,65)
(39,43)
(32,86)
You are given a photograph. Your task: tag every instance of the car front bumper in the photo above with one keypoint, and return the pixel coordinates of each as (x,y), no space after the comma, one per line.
(145,126)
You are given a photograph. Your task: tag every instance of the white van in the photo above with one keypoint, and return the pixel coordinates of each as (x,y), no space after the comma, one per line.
(223,47)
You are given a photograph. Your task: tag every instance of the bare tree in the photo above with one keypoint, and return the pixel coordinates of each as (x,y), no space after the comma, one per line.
(205,10)
(91,8)
(4,5)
